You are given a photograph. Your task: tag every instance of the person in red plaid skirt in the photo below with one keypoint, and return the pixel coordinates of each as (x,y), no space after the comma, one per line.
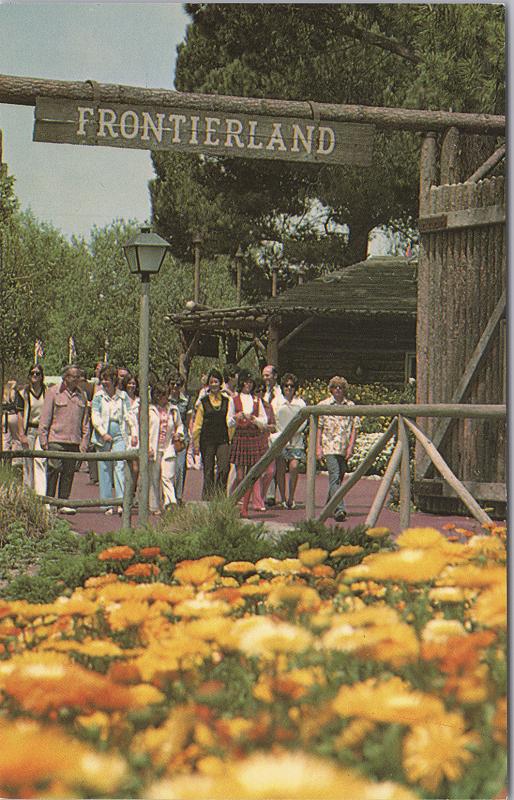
(248,444)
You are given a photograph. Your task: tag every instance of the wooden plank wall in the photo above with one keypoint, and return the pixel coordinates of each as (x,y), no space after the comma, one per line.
(330,347)
(461,276)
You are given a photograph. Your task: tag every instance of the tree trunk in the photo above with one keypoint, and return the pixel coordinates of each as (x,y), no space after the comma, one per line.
(357,249)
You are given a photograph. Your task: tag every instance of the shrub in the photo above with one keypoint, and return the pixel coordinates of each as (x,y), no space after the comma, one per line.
(22,508)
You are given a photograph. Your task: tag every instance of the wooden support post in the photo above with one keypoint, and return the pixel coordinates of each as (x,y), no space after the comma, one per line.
(238,258)
(385,485)
(274,279)
(445,471)
(127,497)
(427,170)
(404,475)
(488,165)
(273,340)
(450,156)
(303,324)
(310,504)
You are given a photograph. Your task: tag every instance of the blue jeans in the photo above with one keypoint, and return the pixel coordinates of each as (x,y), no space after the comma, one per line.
(106,469)
(180,473)
(337,467)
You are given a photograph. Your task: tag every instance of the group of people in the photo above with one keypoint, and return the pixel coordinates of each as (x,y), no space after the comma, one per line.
(229,426)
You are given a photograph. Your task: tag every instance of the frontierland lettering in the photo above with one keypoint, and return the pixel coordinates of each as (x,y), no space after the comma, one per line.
(243,135)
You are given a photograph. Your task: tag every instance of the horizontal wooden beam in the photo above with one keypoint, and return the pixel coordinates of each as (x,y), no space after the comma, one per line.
(467,218)
(21,90)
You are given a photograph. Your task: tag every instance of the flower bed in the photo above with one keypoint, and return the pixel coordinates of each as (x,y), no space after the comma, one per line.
(284,678)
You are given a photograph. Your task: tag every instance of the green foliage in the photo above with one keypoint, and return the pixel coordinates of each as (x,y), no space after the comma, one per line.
(21,511)
(416,56)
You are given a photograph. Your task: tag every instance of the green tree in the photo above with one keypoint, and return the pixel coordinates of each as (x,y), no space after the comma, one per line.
(419,56)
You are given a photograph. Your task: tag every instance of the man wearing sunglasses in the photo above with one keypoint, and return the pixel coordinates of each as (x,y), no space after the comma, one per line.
(294,452)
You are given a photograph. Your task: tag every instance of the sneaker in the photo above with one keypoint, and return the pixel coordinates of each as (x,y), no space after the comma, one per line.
(109,512)
(270,502)
(340,516)
(119,510)
(68,510)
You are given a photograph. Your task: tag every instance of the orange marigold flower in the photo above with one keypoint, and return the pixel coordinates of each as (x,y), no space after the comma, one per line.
(323,571)
(346,550)
(378,533)
(116,553)
(141,570)
(239,568)
(312,556)
(150,552)
(387,701)
(195,572)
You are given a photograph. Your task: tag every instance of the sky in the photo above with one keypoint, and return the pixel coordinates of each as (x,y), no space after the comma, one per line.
(71,187)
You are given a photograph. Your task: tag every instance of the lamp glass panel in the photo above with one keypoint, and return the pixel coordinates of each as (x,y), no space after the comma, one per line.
(150,257)
(131,256)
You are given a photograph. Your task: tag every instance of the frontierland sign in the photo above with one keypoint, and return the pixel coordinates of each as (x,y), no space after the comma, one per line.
(183,129)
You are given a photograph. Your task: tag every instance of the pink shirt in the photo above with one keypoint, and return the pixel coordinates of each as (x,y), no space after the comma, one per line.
(64,417)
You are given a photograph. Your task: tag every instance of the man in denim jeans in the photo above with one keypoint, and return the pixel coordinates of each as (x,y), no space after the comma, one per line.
(336,439)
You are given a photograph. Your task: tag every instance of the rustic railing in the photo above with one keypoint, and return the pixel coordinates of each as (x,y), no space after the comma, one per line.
(403,416)
(122,455)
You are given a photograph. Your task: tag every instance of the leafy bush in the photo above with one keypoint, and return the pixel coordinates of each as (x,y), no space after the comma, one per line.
(21,507)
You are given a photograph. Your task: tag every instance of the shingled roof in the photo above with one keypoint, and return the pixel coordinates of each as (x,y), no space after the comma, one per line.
(381,285)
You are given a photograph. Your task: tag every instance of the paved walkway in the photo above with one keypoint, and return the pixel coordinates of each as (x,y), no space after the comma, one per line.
(358,502)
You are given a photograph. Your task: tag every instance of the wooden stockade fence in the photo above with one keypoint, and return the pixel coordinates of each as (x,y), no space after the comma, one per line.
(461,328)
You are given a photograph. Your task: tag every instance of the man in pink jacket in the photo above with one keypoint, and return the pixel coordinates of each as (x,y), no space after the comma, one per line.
(64,426)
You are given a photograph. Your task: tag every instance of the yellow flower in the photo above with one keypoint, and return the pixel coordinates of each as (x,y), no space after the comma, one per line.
(378,533)
(195,572)
(347,550)
(202,606)
(261,636)
(127,615)
(373,633)
(490,608)
(470,575)
(446,594)
(437,749)
(421,537)
(145,695)
(487,546)
(438,631)
(285,566)
(412,566)
(304,598)
(387,701)
(239,568)
(312,556)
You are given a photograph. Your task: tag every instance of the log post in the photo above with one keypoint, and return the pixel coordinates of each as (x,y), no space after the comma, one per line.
(427,170)
(310,504)
(385,484)
(238,259)
(450,172)
(404,475)
(273,341)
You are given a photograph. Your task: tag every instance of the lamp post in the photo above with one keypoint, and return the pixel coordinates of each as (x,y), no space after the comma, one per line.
(197,240)
(238,258)
(145,255)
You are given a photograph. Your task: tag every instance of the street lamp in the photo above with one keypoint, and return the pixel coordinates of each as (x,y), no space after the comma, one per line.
(144,255)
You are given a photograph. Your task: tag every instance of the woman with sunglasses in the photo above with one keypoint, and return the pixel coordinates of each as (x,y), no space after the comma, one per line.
(294,451)
(248,444)
(33,396)
(184,406)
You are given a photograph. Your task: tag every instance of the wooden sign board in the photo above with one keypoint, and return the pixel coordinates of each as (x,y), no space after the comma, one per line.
(164,128)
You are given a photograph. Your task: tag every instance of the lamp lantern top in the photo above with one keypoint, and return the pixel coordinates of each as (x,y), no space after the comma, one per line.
(146,252)
(239,252)
(197,237)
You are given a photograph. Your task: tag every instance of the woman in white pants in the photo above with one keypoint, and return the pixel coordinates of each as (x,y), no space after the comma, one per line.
(165,428)
(33,396)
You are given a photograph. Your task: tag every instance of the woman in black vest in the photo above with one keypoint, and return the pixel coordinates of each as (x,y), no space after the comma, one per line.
(211,436)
